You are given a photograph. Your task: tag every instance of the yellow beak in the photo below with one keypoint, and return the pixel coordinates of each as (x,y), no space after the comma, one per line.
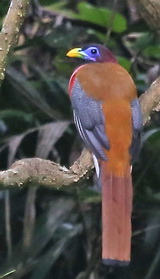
(75,52)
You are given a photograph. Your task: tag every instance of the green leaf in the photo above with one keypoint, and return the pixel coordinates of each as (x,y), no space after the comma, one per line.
(48,259)
(143,40)
(152,51)
(101,16)
(149,134)
(124,62)
(97,15)
(151,138)
(17,114)
(60,38)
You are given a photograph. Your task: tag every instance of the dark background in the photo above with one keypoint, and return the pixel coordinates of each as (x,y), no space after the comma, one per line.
(46,233)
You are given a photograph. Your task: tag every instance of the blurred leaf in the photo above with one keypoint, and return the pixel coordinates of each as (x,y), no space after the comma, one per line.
(149,133)
(48,135)
(124,62)
(56,6)
(146,43)
(60,38)
(3,9)
(143,40)
(152,51)
(8,273)
(14,113)
(24,87)
(101,16)
(55,89)
(46,261)
(13,146)
(90,195)
(96,15)
(58,211)
(152,138)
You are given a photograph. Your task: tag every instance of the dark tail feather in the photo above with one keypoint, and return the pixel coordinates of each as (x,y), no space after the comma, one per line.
(116,217)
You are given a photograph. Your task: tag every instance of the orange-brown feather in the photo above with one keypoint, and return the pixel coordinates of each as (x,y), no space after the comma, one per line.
(116,216)
(118,128)
(106,81)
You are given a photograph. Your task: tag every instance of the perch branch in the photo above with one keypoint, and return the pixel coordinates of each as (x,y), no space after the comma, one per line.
(10,31)
(39,172)
(36,171)
(150,100)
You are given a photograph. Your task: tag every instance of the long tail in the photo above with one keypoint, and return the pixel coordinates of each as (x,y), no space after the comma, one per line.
(116,217)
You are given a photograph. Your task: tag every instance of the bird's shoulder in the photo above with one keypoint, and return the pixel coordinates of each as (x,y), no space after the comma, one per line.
(101,80)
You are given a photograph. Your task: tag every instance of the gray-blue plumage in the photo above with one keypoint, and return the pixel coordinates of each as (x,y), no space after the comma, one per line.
(136,115)
(89,120)
(137,129)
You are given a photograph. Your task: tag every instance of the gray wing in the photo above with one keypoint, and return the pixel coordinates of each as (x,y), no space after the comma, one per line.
(137,129)
(89,120)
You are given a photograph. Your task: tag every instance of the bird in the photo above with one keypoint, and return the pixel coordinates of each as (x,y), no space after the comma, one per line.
(107,115)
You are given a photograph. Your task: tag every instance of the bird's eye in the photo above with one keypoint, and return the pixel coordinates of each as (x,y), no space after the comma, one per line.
(94,51)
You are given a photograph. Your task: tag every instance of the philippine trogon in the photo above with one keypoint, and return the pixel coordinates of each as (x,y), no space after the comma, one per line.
(107,115)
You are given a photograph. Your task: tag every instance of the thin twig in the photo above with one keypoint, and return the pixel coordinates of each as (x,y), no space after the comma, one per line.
(111,21)
(29,218)
(8,224)
(151,228)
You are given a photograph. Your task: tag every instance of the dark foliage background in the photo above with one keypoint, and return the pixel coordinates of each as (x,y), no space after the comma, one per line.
(48,234)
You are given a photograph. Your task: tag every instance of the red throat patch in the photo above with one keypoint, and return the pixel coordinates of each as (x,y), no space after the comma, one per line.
(72,79)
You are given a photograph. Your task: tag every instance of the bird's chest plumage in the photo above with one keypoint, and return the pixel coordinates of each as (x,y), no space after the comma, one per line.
(104,81)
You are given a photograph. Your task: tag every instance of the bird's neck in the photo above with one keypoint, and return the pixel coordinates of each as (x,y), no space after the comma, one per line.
(109,57)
